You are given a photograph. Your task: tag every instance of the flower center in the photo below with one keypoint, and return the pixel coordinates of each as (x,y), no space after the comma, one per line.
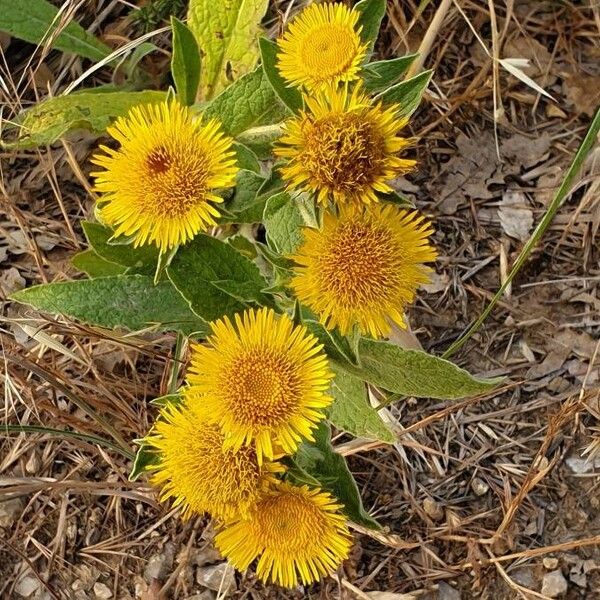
(290,524)
(360,265)
(263,388)
(343,152)
(175,180)
(328,50)
(158,161)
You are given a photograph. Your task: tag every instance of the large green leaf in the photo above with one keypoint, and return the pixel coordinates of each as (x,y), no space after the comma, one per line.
(371,15)
(380,75)
(414,373)
(49,120)
(319,460)
(215,278)
(351,410)
(248,103)
(289,95)
(284,218)
(407,93)
(37,21)
(146,457)
(185,62)
(98,237)
(95,266)
(130,301)
(227,34)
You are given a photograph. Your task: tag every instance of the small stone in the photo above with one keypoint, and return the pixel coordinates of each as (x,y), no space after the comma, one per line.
(206,556)
(447,592)
(9,511)
(479,486)
(433,509)
(102,591)
(524,576)
(32,466)
(554,584)
(159,565)
(205,595)
(27,586)
(550,562)
(219,578)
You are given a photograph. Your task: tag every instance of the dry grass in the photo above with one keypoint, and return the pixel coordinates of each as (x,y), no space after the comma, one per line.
(474,494)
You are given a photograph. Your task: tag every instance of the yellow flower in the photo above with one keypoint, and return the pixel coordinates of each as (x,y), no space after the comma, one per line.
(344,147)
(321,45)
(363,267)
(158,187)
(196,471)
(297,532)
(262,379)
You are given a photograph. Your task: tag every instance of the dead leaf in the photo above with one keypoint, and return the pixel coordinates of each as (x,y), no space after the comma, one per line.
(515,215)
(583,92)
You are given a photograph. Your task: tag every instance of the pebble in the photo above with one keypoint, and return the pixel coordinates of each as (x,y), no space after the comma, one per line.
(550,562)
(554,584)
(9,511)
(159,565)
(433,509)
(219,578)
(27,586)
(447,592)
(479,486)
(102,591)
(206,556)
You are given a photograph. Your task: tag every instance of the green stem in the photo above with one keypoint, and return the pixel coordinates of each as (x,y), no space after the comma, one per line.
(563,190)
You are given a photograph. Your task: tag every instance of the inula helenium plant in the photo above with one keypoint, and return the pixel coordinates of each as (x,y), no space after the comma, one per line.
(251,209)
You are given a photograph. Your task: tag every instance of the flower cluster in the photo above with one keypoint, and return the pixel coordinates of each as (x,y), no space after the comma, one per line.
(255,391)
(258,386)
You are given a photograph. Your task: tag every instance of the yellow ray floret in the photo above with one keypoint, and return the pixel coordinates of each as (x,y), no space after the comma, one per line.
(195,470)
(159,186)
(262,379)
(322,45)
(363,267)
(297,533)
(343,147)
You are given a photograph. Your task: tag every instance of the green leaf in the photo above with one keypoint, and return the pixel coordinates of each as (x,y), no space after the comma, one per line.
(414,373)
(206,272)
(37,21)
(99,238)
(284,218)
(371,15)
(162,401)
(95,266)
(51,119)
(379,76)
(290,96)
(227,35)
(407,93)
(321,461)
(246,159)
(351,410)
(336,346)
(130,301)
(185,62)
(250,102)
(146,457)
(246,206)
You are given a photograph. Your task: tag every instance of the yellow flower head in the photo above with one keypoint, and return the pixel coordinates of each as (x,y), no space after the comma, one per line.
(158,187)
(263,380)
(321,45)
(197,472)
(297,532)
(363,267)
(343,147)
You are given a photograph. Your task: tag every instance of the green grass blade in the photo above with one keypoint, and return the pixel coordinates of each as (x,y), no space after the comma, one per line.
(85,437)
(563,190)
